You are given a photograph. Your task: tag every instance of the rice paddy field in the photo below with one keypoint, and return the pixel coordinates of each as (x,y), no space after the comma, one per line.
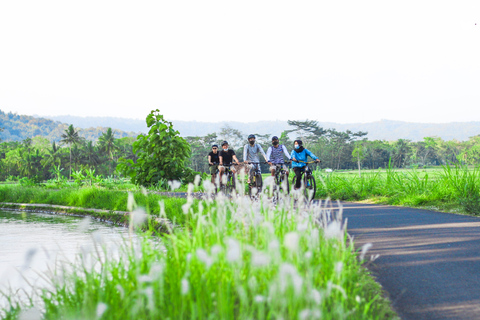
(227,258)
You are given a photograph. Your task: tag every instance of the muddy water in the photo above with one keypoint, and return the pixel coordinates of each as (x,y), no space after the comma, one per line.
(32,243)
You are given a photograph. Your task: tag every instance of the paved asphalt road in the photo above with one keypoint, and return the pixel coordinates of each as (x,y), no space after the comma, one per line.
(429,261)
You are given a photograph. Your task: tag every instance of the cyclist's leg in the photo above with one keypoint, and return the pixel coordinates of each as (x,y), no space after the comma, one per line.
(213,170)
(298,177)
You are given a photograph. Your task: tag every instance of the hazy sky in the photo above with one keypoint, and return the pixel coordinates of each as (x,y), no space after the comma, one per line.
(339,61)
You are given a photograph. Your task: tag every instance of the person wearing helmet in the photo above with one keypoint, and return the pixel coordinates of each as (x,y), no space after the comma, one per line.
(213,161)
(226,157)
(275,155)
(250,155)
(299,153)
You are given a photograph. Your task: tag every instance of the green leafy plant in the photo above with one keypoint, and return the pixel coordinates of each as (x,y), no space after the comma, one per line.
(162,154)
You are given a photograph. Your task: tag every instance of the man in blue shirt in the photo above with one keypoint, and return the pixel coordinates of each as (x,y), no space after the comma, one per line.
(299,153)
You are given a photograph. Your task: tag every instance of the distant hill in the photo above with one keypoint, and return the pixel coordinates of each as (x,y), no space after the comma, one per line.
(19,127)
(388,130)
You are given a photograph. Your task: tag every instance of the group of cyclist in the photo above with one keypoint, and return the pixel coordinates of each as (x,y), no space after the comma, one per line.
(219,159)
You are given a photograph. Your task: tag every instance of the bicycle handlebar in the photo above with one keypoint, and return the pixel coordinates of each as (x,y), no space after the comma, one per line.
(308,162)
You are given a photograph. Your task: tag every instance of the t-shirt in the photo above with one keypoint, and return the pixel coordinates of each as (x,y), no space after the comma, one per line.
(214,157)
(227,156)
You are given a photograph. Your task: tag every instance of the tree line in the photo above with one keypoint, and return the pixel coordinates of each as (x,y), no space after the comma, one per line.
(347,150)
(39,159)
(162,154)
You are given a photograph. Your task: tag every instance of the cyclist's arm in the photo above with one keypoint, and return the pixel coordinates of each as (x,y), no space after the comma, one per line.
(210,159)
(235,158)
(311,154)
(269,152)
(285,152)
(245,151)
(263,152)
(221,160)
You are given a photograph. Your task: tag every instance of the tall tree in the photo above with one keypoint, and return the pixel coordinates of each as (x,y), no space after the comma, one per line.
(70,137)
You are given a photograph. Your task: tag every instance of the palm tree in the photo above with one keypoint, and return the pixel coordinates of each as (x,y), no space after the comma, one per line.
(108,145)
(70,137)
(90,155)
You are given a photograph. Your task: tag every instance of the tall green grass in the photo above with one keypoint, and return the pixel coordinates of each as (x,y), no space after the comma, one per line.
(233,259)
(94,198)
(451,187)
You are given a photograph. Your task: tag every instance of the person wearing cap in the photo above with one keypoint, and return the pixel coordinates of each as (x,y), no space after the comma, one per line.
(275,155)
(226,157)
(250,155)
(299,153)
(213,161)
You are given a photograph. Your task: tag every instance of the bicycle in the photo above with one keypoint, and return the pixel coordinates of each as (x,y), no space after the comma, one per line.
(229,186)
(281,178)
(308,181)
(255,179)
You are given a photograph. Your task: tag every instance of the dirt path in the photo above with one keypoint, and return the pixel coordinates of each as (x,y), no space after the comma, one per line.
(429,261)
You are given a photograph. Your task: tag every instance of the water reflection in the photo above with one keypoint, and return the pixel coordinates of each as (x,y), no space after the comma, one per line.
(32,243)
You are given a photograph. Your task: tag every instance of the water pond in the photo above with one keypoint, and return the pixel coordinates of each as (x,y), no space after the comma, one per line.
(33,243)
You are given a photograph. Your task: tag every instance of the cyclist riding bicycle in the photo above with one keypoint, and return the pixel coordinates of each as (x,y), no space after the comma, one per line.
(275,155)
(250,155)
(213,161)
(226,157)
(299,153)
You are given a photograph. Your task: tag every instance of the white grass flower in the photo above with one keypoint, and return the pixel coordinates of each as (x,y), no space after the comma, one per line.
(120,290)
(185,286)
(288,275)
(260,259)
(303,226)
(197,180)
(84,224)
(308,255)
(101,308)
(253,283)
(259,299)
(174,185)
(365,248)
(234,252)
(290,241)
(309,314)
(144,278)
(358,299)
(138,217)
(339,267)
(203,256)
(131,202)
(216,250)
(144,191)
(316,296)
(334,230)
(30,314)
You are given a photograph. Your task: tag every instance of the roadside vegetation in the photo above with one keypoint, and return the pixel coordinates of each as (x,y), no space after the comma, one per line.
(448,188)
(232,259)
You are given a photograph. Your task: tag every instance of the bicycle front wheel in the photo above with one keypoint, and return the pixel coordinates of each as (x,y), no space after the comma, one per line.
(310,187)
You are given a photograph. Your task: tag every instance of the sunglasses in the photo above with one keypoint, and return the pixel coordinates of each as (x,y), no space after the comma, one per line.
(214,148)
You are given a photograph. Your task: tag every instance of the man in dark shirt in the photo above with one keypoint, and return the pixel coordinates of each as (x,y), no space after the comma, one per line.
(226,157)
(213,161)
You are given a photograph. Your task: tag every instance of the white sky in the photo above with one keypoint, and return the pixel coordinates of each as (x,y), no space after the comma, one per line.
(339,61)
